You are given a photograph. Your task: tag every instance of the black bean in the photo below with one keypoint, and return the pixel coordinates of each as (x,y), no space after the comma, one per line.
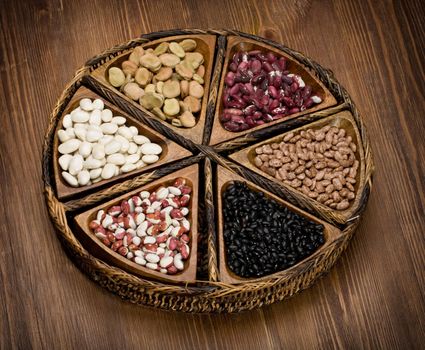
(261,236)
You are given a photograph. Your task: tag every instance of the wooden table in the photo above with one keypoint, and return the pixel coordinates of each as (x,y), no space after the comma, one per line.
(373,297)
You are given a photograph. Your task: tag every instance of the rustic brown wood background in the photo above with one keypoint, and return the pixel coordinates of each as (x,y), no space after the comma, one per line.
(372,298)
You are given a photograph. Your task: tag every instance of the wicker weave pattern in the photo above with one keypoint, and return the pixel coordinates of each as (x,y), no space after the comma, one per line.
(211,295)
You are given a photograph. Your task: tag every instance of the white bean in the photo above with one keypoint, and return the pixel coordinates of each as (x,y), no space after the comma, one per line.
(85,149)
(134,130)
(80,133)
(80,116)
(69,146)
(67,121)
(64,161)
(150,159)
(63,136)
(133,158)
(70,179)
(117,159)
(93,136)
(95,173)
(127,167)
(106,115)
(98,104)
(86,104)
(118,120)
(151,148)
(108,171)
(178,263)
(132,149)
(109,128)
(140,139)
(92,163)
(76,164)
(95,117)
(83,177)
(112,147)
(98,151)
(125,132)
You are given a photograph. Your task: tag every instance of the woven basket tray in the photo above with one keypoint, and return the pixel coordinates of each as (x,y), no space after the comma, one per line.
(213,152)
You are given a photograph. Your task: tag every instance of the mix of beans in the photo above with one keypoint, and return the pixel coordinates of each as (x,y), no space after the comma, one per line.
(261,236)
(167,80)
(150,229)
(96,145)
(259,89)
(320,163)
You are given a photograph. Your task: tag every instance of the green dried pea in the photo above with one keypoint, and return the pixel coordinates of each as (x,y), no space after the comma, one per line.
(161,48)
(151,62)
(116,76)
(143,76)
(187,120)
(169,60)
(171,89)
(164,74)
(151,100)
(171,106)
(177,49)
(188,44)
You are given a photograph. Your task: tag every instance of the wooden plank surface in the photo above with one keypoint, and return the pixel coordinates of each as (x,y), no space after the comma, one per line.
(372,298)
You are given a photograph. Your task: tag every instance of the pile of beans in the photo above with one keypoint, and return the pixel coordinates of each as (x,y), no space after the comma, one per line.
(167,80)
(261,236)
(259,89)
(320,163)
(96,146)
(150,229)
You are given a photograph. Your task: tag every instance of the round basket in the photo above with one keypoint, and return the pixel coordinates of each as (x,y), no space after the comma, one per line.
(208,293)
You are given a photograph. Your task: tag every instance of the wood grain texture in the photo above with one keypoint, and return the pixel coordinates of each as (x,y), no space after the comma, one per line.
(373,297)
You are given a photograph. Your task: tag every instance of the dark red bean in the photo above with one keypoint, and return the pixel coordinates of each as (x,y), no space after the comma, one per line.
(288,102)
(282,63)
(233,111)
(306,91)
(278,116)
(243,127)
(249,88)
(230,79)
(267,117)
(233,67)
(267,67)
(238,119)
(257,115)
(286,79)
(254,52)
(274,104)
(243,66)
(308,103)
(277,81)
(237,57)
(260,122)
(249,110)
(234,90)
(273,91)
(255,66)
(293,110)
(257,79)
(251,122)
(262,57)
(225,117)
(294,86)
(230,126)
(280,110)
(271,57)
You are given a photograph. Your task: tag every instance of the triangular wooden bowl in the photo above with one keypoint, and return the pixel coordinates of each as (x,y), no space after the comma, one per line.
(98,249)
(224,179)
(343,119)
(205,45)
(234,44)
(171,150)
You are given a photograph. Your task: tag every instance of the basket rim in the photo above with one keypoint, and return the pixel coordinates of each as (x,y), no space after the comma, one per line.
(206,296)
